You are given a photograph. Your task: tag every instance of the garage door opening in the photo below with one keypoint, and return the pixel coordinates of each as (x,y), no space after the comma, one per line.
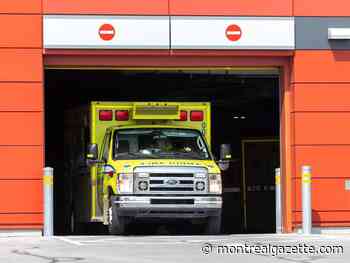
(245,114)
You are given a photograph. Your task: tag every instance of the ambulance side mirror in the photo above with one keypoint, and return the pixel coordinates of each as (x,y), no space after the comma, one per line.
(225,156)
(92,154)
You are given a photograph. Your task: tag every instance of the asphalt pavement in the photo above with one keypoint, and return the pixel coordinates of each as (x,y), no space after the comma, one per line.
(179,249)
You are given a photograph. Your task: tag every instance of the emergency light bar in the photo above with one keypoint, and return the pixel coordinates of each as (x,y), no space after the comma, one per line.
(197,115)
(156,111)
(122,115)
(105,115)
(151,111)
(183,115)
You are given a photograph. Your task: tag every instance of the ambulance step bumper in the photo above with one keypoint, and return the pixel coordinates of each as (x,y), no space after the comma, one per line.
(168,207)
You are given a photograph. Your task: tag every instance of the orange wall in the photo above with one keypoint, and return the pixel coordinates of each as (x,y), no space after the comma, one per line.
(175,7)
(321,8)
(185,7)
(21,114)
(20,6)
(21,30)
(321,116)
(233,8)
(120,7)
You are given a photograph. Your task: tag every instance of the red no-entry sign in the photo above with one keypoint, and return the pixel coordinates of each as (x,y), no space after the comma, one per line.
(233,32)
(106,32)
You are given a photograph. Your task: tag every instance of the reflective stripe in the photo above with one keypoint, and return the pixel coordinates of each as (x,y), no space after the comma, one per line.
(278,179)
(306,177)
(48,180)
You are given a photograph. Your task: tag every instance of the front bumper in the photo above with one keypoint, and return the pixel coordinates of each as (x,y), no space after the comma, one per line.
(168,207)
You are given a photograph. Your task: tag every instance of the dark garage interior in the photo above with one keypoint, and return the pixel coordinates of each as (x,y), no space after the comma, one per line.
(245,114)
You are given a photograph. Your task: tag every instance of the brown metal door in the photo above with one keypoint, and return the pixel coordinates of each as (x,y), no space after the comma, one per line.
(260,158)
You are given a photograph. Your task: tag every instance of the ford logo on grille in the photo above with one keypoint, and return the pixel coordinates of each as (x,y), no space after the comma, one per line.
(171,182)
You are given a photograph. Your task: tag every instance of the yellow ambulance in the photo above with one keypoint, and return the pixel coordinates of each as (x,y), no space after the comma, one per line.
(153,160)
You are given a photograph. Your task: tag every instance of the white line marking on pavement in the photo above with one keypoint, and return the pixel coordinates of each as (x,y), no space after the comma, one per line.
(130,242)
(77,243)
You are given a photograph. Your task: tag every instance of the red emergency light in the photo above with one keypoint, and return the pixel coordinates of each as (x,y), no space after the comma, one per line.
(105,115)
(197,115)
(122,115)
(183,115)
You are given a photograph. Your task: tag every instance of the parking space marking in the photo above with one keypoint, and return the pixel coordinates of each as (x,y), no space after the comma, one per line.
(151,240)
(178,240)
(67,240)
(142,243)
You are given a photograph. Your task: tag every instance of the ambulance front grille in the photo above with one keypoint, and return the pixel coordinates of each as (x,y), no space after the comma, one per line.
(171,182)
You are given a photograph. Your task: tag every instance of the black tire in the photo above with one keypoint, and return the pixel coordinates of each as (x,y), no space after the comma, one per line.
(117,224)
(213,225)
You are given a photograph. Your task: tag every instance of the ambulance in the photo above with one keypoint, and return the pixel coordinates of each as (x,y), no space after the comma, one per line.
(151,160)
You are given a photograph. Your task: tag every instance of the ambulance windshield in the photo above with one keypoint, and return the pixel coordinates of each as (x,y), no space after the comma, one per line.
(159,143)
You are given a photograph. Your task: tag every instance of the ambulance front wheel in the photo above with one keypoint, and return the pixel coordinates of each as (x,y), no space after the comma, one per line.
(117,224)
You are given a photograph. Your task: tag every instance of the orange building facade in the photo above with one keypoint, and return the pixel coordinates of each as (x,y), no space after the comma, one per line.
(315,92)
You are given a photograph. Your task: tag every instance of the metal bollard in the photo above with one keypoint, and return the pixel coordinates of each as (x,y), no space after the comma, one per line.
(278,201)
(306,199)
(48,201)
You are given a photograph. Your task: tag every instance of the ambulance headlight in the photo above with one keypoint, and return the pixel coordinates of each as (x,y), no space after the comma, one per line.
(143,185)
(200,175)
(200,186)
(125,183)
(215,186)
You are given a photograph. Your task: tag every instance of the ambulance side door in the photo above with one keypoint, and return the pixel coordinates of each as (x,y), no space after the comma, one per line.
(100,168)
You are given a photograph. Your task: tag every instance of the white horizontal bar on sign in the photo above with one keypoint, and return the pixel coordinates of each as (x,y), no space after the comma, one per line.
(232,33)
(339,33)
(106,32)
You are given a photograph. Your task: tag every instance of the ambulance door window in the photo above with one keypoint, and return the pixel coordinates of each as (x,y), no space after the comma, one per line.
(105,147)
